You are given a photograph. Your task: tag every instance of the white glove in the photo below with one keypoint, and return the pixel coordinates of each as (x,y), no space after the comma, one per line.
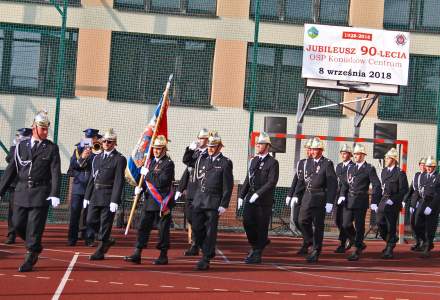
(239,203)
(427,211)
(411,210)
(113,207)
(403,204)
(221,210)
(288,200)
(389,202)
(54,201)
(193,145)
(328,208)
(85,203)
(341,199)
(177,195)
(253,198)
(294,201)
(144,171)
(138,190)
(374,207)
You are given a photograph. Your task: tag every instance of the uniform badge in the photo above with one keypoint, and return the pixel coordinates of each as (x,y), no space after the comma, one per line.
(317,169)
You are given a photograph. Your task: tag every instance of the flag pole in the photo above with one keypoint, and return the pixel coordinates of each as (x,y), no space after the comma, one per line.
(141,180)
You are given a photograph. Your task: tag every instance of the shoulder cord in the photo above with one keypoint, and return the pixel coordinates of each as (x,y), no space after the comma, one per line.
(20,162)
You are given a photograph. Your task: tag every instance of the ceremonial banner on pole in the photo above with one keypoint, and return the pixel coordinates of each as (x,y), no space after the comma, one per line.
(141,155)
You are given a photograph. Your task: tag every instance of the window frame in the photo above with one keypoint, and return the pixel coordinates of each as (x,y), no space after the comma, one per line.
(412,24)
(282,18)
(146,40)
(147,7)
(71,3)
(6,86)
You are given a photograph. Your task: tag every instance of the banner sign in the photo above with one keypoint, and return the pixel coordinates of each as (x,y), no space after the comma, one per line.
(355,54)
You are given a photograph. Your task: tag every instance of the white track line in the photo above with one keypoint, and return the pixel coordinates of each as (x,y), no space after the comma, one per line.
(254,281)
(265,265)
(407,280)
(293,265)
(223,256)
(63,282)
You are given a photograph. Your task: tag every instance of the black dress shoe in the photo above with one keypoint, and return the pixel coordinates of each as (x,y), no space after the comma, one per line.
(355,255)
(388,254)
(303,250)
(135,257)
(98,255)
(10,240)
(25,267)
(191,251)
(313,257)
(71,243)
(253,260)
(340,249)
(30,260)
(89,243)
(162,260)
(202,265)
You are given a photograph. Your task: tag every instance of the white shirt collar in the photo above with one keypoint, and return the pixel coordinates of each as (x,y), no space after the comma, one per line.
(317,160)
(157,159)
(391,168)
(263,156)
(360,164)
(107,153)
(203,150)
(215,157)
(345,163)
(33,140)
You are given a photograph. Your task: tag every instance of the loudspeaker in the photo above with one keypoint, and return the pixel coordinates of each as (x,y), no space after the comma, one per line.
(384,131)
(276,125)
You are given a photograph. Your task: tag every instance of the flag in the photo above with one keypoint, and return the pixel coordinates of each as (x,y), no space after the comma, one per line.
(138,157)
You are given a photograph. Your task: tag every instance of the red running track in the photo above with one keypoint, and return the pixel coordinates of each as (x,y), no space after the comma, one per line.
(283,275)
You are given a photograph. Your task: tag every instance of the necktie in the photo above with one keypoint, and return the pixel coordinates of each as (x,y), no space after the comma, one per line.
(34,147)
(105,156)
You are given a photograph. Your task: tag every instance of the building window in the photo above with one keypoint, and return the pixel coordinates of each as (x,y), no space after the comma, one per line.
(29,57)
(192,7)
(60,2)
(140,65)
(279,81)
(416,102)
(334,12)
(413,15)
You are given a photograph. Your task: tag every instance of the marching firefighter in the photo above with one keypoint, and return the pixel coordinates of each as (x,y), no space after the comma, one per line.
(413,200)
(319,185)
(159,201)
(36,165)
(394,188)
(215,182)
(426,214)
(354,194)
(257,194)
(341,172)
(188,184)
(104,192)
(294,200)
